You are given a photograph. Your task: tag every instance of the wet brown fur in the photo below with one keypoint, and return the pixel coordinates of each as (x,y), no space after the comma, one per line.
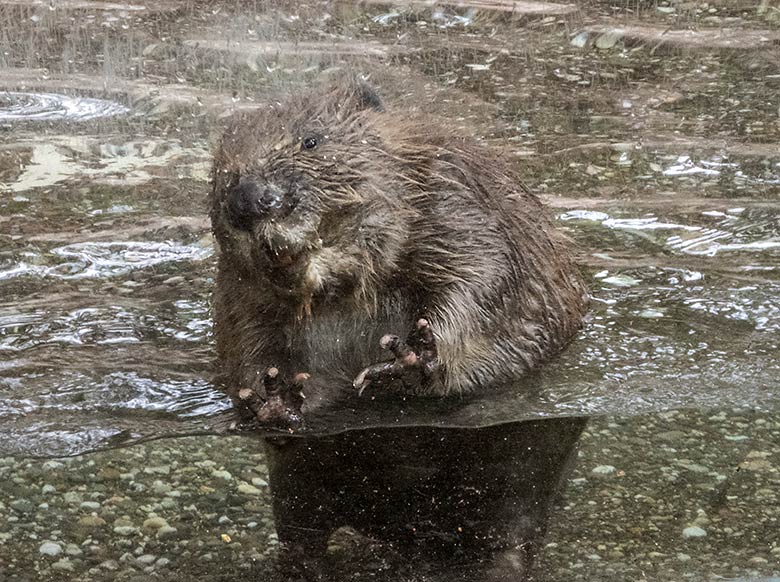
(397,218)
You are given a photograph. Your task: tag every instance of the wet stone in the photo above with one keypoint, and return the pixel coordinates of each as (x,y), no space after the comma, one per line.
(222,474)
(695,467)
(109,474)
(73,550)
(167,532)
(22,506)
(603,470)
(155,523)
(693,532)
(580,39)
(608,39)
(672,435)
(50,549)
(146,559)
(64,564)
(173,280)
(110,565)
(248,489)
(72,497)
(125,530)
(160,488)
(91,521)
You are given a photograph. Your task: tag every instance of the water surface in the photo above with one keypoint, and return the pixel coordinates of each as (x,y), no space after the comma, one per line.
(650,128)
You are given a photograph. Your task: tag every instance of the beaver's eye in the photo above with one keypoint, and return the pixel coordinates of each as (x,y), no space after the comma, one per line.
(309,143)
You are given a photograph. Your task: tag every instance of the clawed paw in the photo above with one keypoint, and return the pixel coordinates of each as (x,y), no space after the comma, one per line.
(415,365)
(281,408)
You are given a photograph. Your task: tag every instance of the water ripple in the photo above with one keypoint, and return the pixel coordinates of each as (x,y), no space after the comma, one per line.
(113,324)
(732,231)
(107,259)
(115,392)
(685,166)
(17,106)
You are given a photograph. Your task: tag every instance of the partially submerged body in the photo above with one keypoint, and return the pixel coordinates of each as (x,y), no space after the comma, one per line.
(340,224)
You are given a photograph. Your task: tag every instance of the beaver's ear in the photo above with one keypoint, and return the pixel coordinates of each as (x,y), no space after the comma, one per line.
(348,95)
(368,97)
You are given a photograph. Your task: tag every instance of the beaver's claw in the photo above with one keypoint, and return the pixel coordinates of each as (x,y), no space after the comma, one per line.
(281,408)
(416,364)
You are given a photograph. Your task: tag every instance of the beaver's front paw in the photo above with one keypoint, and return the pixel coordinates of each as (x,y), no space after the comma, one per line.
(416,364)
(281,408)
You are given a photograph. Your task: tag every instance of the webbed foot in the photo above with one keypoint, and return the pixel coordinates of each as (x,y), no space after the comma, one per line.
(415,367)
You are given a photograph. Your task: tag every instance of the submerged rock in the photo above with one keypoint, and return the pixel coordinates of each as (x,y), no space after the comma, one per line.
(50,549)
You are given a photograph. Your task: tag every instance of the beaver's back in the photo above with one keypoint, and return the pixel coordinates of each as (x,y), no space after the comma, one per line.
(485,248)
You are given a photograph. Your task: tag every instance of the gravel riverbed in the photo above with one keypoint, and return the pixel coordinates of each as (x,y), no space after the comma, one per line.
(677,496)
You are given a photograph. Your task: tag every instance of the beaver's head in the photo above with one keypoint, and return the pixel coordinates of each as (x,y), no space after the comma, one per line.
(293,183)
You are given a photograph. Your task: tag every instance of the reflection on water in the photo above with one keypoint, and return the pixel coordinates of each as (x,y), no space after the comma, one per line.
(475,502)
(652,128)
(58,159)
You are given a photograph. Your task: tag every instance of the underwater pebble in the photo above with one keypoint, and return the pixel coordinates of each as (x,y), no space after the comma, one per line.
(608,39)
(167,532)
(248,489)
(92,521)
(155,523)
(73,550)
(50,549)
(63,564)
(110,565)
(72,497)
(580,40)
(22,506)
(693,532)
(146,559)
(125,530)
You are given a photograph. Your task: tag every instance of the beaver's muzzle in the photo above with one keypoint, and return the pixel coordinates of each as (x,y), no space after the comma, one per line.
(249,200)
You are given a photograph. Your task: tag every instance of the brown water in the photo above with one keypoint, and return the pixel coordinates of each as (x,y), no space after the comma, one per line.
(651,128)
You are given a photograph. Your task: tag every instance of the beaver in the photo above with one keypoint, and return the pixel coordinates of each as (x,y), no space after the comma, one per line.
(340,224)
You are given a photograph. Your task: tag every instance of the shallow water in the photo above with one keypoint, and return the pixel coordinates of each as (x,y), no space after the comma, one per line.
(651,132)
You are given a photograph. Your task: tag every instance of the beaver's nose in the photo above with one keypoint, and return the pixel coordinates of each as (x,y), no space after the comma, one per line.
(249,200)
